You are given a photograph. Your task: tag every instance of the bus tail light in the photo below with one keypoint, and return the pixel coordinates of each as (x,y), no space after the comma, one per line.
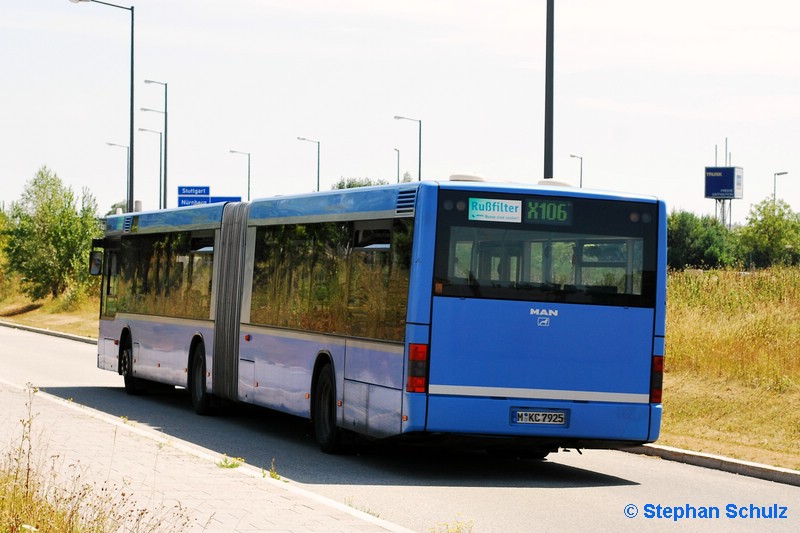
(417,368)
(656,378)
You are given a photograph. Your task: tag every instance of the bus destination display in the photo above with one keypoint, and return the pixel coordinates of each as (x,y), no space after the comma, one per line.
(545,211)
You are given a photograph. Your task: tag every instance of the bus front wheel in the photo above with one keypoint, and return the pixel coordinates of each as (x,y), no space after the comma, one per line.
(201,399)
(325,429)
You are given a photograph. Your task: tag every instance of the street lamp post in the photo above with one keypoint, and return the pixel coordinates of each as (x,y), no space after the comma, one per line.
(128,149)
(160,162)
(548,91)
(774,184)
(248,170)
(130,146)
(164,189)
(313,141)
(398,164)
(166,138)
(419,164)
(581,174)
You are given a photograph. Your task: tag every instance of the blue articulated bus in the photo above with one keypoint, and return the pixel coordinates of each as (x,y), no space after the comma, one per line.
(527,317)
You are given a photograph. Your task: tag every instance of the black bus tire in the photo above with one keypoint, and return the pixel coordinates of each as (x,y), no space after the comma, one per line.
(133,385)
(327,433)
(201,399)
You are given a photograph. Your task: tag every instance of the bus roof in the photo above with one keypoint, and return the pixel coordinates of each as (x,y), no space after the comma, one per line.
(378,201)
(548,188)
(207,216)
(396,200)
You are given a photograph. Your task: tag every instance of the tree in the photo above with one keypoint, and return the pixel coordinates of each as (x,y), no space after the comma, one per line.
(118,207)
(717,242)
(772,235)
(352,183)
(49,239)
(701,242)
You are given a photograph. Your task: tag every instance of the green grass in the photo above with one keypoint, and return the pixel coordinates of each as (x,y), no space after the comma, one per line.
(350,502)
(230,462)
(273,472)
(459,526)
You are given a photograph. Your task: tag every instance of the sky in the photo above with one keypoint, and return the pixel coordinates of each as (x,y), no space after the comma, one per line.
(647,93)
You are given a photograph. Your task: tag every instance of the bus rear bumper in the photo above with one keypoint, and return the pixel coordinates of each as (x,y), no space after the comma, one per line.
(595,421)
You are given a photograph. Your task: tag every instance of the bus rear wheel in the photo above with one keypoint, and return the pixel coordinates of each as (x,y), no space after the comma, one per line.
(201,399)
(327,433)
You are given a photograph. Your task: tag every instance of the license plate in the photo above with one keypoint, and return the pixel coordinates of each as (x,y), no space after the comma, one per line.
(540,417)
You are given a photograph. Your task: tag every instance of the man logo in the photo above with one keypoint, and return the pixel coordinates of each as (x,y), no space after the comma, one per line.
(543,321)
(544,312)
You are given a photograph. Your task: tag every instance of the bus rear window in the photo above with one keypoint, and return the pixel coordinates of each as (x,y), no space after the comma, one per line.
(553,249)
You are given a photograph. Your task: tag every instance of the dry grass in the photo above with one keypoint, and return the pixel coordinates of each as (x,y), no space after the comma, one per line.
(82,320)
(724,417)
(733,364)
(742,326)
(40,493)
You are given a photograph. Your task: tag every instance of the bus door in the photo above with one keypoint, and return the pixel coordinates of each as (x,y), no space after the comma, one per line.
(107,349)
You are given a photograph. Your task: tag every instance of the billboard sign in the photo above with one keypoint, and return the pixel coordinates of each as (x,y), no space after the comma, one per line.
(723,183)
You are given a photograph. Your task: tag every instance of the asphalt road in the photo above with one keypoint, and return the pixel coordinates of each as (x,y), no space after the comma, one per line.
(425,488)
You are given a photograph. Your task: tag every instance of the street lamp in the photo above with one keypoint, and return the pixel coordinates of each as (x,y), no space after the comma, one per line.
(166,138)
(130,146)
(128,149)
(248,170)
(548,90)
(581,178)
(419,164)
(774,182)
(160,160)
(398,164)
(147,109)
(312,141)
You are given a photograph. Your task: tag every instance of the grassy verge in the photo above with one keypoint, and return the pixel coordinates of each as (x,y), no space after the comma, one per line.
(723,417)
(50,314)
(36,495)
(732,382)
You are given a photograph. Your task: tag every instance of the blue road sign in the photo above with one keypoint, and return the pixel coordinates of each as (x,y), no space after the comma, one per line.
(194,190)
(184,201)
(219,199)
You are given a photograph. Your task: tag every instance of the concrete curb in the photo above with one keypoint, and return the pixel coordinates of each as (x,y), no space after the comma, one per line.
(718,462)
(706,460)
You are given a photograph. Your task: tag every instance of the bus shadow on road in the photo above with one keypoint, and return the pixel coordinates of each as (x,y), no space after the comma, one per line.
(268,440)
